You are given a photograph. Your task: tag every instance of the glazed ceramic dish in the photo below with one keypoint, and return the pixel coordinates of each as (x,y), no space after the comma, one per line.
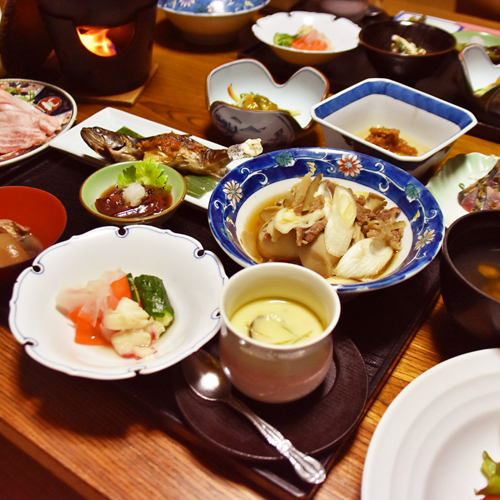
(206,21)
(47,98)
(430,441)
(342,33)
(249,186)
(457,173)
(276,128)
(430,124)
(484,39)
(99,182)
(194,279)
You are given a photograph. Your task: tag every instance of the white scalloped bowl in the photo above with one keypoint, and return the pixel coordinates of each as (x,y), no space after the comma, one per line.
(342,33)
(276,129)
(194,280)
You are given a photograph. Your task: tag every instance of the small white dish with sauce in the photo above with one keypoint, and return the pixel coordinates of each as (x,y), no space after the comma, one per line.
(426,122)
(282,372)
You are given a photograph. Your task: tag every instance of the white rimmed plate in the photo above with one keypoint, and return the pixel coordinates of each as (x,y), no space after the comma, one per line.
(457,173)
(114,119)
(193,278)
(47,98)
(430,441)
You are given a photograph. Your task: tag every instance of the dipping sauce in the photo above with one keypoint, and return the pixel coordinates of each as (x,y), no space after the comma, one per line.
(481,267)
(112,204)
(277,321)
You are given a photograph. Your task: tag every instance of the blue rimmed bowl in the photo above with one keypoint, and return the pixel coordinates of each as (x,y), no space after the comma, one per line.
(211,21)
(429,123)
(246,188)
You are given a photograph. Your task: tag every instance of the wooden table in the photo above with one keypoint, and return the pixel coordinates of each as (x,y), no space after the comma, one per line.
(68,438)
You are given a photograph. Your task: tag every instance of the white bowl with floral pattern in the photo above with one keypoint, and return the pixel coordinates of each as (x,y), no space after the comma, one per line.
(246,188)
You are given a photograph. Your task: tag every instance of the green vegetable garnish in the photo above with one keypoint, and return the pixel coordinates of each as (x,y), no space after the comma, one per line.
(284,39)
(491,471)
(130,133)
(146,172)
(199,185)
(154,298)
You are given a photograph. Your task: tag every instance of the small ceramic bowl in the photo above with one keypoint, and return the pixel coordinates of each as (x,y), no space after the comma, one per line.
(470,241)
(487,40)
(342,33)
(276,129)
(42,212)
(376,39)
(482,77)
(211,22)
(102,180)
(425,122)
(261,181)
(277,373)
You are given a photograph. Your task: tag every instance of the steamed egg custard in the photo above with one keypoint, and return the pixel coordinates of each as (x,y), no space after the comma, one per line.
(277,321)
(345,236)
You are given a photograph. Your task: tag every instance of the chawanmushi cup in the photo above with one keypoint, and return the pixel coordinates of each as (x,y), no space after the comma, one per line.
(277,373)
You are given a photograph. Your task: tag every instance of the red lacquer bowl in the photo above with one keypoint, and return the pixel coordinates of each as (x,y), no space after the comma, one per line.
(41,211)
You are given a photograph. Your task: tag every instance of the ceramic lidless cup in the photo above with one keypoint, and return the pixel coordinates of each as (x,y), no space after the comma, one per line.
(286,372)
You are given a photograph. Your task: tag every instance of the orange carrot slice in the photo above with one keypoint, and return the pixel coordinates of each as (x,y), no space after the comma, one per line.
(120,289)
(85,332)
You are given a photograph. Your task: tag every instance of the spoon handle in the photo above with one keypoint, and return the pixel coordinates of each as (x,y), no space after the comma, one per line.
(308,468)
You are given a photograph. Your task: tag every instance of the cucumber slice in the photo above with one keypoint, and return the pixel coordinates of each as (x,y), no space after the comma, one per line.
(133,288)
(154,298)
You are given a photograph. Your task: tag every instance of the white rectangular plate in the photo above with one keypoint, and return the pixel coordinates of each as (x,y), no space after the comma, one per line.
(114,119)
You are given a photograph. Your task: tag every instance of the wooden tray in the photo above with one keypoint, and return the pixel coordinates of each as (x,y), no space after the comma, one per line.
(379,324)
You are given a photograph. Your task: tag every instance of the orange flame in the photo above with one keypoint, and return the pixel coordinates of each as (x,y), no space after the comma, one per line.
(96,41)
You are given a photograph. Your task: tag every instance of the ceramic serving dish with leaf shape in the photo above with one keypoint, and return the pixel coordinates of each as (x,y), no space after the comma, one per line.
(276,128)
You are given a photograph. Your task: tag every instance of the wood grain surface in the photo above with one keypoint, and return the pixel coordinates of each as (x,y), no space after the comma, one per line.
(71,438)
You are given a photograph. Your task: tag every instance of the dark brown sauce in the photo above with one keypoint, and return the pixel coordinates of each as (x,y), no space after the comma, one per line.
(111,203)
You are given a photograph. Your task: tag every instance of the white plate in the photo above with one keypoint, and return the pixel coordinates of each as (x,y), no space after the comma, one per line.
(114,119)
(50,99)
(444,24)
(430,441)
(193,279)
(460,170)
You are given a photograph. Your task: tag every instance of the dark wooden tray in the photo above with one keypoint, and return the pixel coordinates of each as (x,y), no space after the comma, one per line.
(380,324)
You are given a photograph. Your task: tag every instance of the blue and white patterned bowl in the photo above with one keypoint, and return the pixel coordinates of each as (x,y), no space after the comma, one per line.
(211,21)
(428,122)
(245,188)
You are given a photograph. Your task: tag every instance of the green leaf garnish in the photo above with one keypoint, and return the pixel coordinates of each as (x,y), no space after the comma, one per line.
(146,172)
(491,471)
(199,185)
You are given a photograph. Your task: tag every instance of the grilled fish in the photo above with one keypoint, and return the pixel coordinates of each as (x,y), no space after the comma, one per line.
(175,150)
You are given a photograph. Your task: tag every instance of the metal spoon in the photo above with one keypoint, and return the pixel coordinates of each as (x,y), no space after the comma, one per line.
(206,378)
